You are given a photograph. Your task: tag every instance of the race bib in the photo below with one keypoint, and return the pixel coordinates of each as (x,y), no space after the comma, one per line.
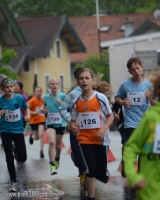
(156,146)
(89,120)
(55,118)
(136,98)
(38,110)
(12,116)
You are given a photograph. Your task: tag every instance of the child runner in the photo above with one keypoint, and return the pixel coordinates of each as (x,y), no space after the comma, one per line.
(145,141)
(91,118)
(55,124)
(117,110)
(63,109)
(11,126)
(135,96)
(38,119)
(18,89)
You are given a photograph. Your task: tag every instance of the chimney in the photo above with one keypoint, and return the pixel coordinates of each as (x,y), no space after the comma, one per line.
(128,26)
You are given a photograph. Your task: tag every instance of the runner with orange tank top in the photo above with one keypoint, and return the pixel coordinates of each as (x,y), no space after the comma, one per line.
(91,118)
(37,120)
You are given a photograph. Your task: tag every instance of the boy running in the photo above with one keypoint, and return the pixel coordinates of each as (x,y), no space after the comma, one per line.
(11,126)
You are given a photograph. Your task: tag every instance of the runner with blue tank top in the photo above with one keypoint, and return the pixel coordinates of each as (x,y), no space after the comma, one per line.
(135,95)
(11,126)
(54,123)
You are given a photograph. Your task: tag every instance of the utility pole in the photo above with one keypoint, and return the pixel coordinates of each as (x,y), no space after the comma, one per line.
(98,27)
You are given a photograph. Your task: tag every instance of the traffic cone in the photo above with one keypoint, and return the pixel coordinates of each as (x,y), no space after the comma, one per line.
(111,157)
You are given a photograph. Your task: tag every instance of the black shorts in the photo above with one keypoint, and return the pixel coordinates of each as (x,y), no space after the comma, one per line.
(129,132)
(34,127)
(95,159)
(59,130)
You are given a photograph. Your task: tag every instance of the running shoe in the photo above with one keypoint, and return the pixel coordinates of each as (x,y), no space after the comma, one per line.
(53,169)
(13,187)
(41,154)
(31,139)
(56,163)
(82,178)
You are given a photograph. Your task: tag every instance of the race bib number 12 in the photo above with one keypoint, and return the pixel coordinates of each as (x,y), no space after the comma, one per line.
(136,98)
(89,120)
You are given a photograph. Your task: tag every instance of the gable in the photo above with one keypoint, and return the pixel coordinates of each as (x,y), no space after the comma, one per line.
(147,27)
(10,33)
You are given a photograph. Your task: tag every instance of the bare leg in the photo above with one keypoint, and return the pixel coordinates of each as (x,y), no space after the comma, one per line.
(90,185)
(58,145)
(52,143)
(35,135)
(41,135)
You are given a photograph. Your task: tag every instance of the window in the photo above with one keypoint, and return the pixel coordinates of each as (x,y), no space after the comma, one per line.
(26,66)
(58,50)
(104,28)
(62,82)
(47,78)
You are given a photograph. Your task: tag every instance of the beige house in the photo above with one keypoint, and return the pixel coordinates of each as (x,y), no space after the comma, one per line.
(50,41)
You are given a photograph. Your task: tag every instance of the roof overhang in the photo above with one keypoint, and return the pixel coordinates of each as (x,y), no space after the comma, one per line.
(129,40)
(10,34)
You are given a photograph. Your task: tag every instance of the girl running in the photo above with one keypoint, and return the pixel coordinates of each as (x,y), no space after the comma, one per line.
(37,120)
(11,126)
(91,118)
(55,124)
(18,89)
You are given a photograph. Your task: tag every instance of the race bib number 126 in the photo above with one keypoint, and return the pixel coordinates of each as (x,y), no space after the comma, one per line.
(89,120)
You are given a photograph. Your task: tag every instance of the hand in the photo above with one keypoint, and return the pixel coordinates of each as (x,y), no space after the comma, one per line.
(75,129)
(126,103)
(27,118)
(1,113)
(116,117)
(44,111)
(141,184)
(100,134)
(59,101)
(148,94)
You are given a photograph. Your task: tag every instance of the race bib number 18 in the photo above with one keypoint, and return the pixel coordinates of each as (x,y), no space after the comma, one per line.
(12,116)
(89,120)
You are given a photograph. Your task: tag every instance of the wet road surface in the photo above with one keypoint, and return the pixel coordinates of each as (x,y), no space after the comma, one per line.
(36,183)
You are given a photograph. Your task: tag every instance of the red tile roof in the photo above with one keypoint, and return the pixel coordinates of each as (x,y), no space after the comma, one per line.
(84,26)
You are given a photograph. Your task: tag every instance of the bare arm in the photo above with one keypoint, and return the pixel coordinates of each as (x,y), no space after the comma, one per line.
(74,127)
(100,133)
(124,102)
(27,115)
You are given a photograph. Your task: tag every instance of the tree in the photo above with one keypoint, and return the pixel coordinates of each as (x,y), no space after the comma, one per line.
(78,7)
(7,55)
(96,65)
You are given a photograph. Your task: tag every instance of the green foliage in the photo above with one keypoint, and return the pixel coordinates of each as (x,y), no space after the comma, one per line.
(7,55)
(78,7)
(97,65)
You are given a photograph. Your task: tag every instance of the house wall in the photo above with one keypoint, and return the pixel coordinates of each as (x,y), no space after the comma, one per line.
(119,55)
(52,66)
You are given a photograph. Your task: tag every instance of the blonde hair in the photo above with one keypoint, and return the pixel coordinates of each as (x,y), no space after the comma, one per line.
(99,85)
(54,78)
